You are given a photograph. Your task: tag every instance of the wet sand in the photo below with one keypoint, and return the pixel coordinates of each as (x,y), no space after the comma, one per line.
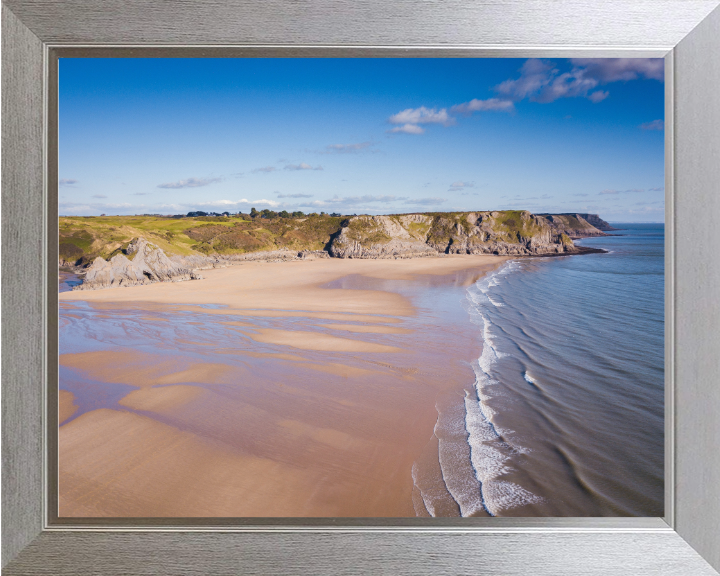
(234,396)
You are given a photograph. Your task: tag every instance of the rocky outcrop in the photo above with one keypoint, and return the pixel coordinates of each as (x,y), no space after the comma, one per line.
(383,237)
(598,222)
(144,263)
(413,235)
(140,263)
(576,225)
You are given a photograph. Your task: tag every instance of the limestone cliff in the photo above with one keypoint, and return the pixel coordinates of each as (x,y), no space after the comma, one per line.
(598,222)
(511,232)
(383,237)
(577,225)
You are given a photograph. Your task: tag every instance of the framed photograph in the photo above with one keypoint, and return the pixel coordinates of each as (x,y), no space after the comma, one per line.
(324,423)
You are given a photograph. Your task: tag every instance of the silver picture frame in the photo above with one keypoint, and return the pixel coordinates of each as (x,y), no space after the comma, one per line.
(686,33)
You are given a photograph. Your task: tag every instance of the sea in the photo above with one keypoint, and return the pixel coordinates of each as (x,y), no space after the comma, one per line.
(565,415)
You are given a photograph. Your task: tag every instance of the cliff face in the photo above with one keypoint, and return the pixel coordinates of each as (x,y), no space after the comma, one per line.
(142,263)
(412,235)
(383,237)
(577,225)
(598,222)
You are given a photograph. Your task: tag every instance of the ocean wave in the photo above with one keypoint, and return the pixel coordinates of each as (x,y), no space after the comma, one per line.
(490,453)
(473,453)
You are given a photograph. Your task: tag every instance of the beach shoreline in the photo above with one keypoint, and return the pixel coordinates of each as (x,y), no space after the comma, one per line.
(303,388)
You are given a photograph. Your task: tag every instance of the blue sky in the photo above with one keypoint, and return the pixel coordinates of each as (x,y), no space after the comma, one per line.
(365,136)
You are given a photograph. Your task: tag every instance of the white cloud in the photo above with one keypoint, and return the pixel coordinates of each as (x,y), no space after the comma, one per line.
(407,129)
(294,195)
(459,185)
(302,166)
(190,183)
(264,169)
(654,125)
(411,118)
(99,196)
(491,104)
(660,189)
(67,182)
(141,193)
(422,115)
(598,96)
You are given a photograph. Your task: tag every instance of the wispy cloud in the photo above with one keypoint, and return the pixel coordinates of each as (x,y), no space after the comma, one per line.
(491,104)
(78,208)
(302,166)
(366,199)
(431,201)
(598,96)
(67,181)
(581,194)
(214,205)
(141,193)
(407,129)
(459,185)
(99,196)
(611,191)
(294,195)
(660,189)
(654,125)
(190,183)
(348,148)
(541,80)
(264,169)
(621,69)
(229,204)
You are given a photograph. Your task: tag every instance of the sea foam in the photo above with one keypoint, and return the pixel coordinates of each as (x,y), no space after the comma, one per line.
(490,453)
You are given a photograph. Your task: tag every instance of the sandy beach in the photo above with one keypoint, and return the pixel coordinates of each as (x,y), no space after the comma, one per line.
(304,388)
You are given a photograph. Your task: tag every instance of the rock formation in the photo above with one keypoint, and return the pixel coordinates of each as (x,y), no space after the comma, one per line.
(383,237)
(577,225)
(596,221)
(140,263)
(413,235)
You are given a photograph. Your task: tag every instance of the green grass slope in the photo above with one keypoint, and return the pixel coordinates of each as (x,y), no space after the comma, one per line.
(82,239)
